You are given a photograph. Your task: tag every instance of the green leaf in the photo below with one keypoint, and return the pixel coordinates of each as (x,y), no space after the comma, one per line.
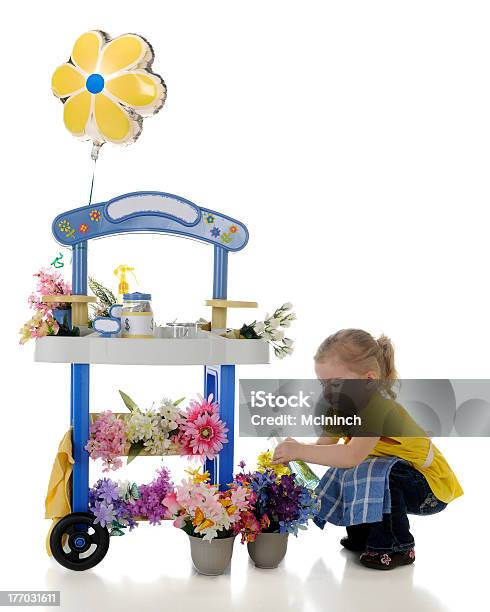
(248,332)
(116,532)
(134,450)
(179,401)
(104,295)
(130,404)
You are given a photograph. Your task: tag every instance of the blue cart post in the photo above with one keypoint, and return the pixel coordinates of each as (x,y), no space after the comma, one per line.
(220,381)
(80,395)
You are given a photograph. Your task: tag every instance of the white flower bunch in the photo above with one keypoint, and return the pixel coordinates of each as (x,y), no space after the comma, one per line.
(151,430)
(170,414)
(153,427)
(158,443)
(164,423)
(272,329)
(141,426)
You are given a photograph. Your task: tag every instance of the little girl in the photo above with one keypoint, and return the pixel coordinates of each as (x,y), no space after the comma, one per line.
(417,478)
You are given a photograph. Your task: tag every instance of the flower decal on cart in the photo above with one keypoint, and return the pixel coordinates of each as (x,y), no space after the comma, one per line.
(215,232)
(83,228)
(95,215)
(209,218)
(64,226)
(233,229)
(107,87)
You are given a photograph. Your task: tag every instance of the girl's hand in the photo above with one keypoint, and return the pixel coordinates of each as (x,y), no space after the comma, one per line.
(286,451)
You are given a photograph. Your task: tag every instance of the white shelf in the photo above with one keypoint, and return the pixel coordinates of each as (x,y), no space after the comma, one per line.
(206,348)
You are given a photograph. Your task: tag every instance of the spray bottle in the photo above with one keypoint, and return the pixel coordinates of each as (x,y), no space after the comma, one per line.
(123,286)
(302,471)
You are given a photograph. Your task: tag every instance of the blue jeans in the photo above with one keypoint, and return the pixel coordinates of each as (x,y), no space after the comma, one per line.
(410,494)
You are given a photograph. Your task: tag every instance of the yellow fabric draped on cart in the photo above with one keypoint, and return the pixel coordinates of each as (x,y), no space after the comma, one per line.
(58,497)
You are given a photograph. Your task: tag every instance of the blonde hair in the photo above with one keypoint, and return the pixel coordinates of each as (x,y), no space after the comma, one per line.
(361,353)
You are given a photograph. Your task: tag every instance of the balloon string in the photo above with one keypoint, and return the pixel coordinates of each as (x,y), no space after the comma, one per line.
(95,156)
(92,183)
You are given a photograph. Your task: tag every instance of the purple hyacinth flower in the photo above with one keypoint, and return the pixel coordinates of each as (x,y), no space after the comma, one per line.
(108,490)
(104,514)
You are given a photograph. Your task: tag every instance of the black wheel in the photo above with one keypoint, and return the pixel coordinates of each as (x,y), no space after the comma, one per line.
(78,544)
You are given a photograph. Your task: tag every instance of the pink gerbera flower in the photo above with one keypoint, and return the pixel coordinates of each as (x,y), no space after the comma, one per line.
(201,431)
(206,434)
(198,408)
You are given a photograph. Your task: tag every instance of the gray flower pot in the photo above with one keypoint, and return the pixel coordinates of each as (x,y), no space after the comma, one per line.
(268,550)
(211,558)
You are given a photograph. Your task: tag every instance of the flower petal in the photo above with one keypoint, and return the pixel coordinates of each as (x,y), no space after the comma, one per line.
(77,112)
(66,80)
(113,121)
(86,50)
(123,53)
(142,90)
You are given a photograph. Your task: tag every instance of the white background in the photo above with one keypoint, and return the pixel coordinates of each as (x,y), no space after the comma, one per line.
(353,140)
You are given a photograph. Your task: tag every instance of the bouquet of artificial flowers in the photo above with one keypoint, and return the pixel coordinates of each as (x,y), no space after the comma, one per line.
(43,322)
(196,431)
(118,505)
(151,430)
(202,510)
(272,330)
(108,440)
(282,505)
(49,282)
(111,504)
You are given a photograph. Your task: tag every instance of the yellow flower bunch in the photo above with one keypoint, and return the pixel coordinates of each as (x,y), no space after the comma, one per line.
(264,462)
(196,475)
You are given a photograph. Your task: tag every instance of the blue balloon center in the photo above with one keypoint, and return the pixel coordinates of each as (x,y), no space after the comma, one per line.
(95,83)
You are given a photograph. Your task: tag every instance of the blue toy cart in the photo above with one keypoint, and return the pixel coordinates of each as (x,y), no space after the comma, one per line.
(76,542)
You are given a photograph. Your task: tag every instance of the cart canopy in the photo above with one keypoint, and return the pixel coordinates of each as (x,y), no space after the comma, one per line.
(150,211)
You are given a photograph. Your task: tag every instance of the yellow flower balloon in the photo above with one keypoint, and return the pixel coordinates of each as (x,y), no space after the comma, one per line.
(107,87)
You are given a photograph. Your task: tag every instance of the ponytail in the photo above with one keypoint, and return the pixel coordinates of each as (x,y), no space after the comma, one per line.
(387,358)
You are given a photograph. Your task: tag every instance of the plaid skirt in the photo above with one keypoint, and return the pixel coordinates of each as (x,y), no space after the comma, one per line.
(351,496)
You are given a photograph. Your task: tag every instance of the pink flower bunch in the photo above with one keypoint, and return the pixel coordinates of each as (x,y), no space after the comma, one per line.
(107,440)
(201,431)
(202,510)
(249,526)
(41,324)
(49,282)
(151,504)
